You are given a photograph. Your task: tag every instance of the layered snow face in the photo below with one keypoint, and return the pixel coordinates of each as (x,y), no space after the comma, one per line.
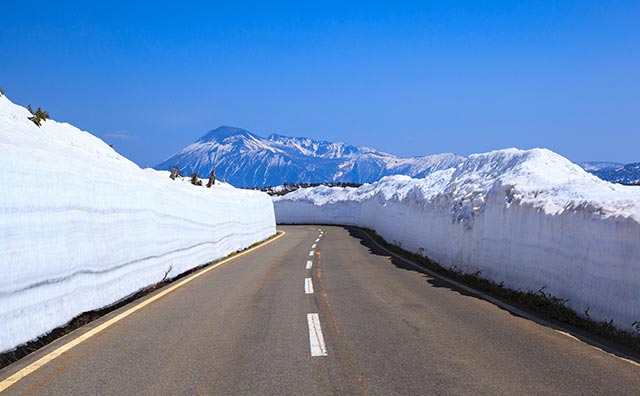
(82,227)
(529,218)
(247,160)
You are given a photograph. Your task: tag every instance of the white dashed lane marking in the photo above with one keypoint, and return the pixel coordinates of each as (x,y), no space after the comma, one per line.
(316,340)
(308,286)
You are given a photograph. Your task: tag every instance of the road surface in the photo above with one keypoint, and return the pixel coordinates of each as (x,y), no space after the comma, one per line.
(321,313)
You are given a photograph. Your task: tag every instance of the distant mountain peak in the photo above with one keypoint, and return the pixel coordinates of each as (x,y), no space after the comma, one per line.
(248,160)
(224,132)
(595,166)
(624,174)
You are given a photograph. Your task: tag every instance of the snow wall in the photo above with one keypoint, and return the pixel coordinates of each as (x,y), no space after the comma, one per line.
(82,227)
(529,218)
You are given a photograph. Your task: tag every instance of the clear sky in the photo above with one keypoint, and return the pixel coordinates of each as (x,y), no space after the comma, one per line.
(410,78)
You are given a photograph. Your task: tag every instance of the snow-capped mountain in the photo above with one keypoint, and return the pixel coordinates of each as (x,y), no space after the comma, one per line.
(623,174)
(614,172)
(245,159)
(595,166)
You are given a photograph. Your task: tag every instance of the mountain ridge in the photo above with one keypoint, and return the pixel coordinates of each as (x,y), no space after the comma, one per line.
(245,159)
(628,174)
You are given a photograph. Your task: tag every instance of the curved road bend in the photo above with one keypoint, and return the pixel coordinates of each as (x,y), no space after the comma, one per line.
(248,328)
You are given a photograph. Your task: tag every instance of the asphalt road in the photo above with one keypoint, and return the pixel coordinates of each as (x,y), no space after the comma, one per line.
(382,328)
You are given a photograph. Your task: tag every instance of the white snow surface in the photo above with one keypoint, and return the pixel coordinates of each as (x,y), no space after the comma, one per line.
(82,227)
(529,218)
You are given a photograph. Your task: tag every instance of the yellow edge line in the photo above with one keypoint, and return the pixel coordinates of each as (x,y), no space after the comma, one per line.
(6,383)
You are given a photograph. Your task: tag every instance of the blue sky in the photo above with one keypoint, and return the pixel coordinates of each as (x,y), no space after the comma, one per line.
(410,78)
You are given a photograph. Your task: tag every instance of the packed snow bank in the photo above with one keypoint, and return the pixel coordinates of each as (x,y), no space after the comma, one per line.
(528,218)
(82,227)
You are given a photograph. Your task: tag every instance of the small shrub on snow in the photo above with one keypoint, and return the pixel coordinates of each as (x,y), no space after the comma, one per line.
(39,116)
(175,172)
(195,180)
(212,178)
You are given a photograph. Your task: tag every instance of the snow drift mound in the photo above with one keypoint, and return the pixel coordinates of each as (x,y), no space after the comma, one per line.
(529,218)
(82,227)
